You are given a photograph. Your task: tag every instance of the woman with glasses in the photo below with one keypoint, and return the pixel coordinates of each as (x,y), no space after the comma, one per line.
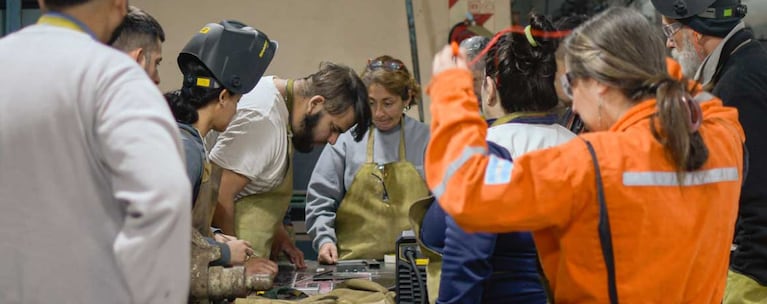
(568,119)
(503,268)
(640,210)
(360,192)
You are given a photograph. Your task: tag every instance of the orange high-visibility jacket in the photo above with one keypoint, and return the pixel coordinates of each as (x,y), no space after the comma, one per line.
(671,241)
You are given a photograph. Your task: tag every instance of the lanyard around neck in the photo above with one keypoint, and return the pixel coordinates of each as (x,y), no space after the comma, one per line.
(65,21)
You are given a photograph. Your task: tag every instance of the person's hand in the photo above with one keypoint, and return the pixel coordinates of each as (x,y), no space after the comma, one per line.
(328,253)
(239,250)
(254,266)
(223,238)
(445,60)
(283,243)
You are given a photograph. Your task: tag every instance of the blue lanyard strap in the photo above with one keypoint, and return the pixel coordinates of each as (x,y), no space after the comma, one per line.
(65,21)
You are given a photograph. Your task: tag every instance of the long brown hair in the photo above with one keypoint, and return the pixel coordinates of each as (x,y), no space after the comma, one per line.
(620,48)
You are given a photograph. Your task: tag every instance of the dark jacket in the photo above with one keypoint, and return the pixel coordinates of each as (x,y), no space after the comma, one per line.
(195,156)
(483,267)
(742,83)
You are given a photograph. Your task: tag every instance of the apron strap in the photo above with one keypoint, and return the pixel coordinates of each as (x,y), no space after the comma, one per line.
(371,140)
(402,154)
(289,105)
(605,238)
(289,97)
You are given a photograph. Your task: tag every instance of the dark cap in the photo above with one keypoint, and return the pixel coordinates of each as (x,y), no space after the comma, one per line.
(708,17)
(680,9)
(236,55)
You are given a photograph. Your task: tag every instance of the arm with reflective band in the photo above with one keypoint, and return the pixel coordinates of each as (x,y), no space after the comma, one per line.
(488,193)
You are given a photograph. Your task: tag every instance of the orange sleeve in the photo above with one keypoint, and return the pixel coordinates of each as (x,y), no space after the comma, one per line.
(486,193)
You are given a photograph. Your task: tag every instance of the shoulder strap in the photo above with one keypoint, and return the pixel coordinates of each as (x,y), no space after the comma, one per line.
(605,238)
(745,165)
(371,141)
(402,152)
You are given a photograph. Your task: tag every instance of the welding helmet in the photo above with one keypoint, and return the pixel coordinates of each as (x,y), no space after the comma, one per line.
(709,9)
(236,55)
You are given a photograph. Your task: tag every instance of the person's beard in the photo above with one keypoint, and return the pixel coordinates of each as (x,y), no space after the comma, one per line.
(687,57)
(303,139)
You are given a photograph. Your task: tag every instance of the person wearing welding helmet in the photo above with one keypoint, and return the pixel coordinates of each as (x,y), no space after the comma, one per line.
(641,209)
(360,191)
(219,64)
(256,150)
(709,40)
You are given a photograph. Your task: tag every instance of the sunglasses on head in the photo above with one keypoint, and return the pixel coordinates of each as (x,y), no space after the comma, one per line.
(389,65)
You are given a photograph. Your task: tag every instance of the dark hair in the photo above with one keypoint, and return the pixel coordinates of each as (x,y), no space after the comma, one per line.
(139,30)
(568,23)
(342,88)
(524,74)
(397,81)
(60,4)
(185,102)
(619,47)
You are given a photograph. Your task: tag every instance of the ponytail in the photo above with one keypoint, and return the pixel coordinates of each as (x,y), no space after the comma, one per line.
(678,117)
(182,111)
(185,102)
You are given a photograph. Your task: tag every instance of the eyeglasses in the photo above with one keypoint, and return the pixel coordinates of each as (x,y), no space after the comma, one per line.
(389,65)
(567,84)
(670,29)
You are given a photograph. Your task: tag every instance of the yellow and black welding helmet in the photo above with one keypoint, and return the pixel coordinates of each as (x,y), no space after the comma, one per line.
(237,55)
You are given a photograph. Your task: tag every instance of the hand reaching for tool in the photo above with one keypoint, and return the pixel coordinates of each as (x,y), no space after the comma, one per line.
(239,250)
(283,243)
(447,59)
(328,253)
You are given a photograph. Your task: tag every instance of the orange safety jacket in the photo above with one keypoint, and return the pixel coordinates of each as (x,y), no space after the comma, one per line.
(671,241)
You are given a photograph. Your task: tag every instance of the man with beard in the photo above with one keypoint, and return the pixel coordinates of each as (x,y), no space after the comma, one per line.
(96,204)
(710,41)
(255,151)
(141,37)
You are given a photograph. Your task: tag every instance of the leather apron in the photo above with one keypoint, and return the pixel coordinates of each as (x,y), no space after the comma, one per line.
(205,206)
(375,210)
(256,216)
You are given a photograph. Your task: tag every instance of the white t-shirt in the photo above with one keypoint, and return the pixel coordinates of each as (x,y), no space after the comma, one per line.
(255,144)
